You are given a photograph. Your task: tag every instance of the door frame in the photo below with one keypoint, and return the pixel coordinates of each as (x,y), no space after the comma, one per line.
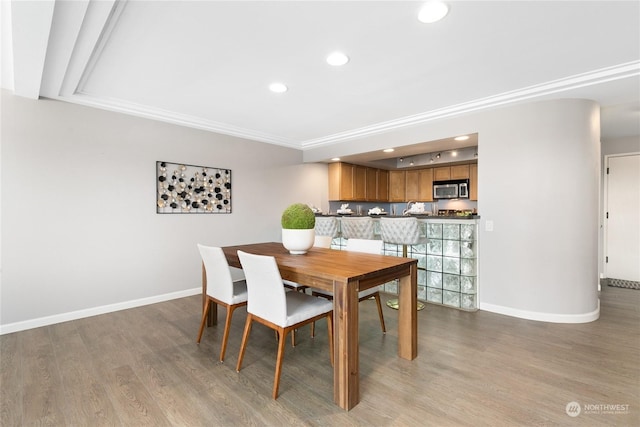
(605,205)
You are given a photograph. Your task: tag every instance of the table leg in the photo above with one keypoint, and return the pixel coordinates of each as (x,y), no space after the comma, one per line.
(346,375)
(408,316)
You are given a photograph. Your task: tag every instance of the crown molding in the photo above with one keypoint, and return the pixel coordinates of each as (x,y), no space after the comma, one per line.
(167,116)
(603,75)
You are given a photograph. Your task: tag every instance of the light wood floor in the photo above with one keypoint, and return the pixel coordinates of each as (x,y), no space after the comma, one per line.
(142,367)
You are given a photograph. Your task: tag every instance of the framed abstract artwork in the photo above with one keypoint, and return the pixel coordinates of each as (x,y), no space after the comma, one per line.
(183,189)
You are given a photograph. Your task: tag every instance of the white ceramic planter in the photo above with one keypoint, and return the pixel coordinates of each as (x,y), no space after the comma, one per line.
(298,242)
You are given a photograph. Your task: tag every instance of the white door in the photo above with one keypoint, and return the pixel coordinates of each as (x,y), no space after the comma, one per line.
(622,216)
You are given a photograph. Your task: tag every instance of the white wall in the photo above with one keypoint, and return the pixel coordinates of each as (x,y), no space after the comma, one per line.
(538,176)
(80,233)
(630,144)
(540,186)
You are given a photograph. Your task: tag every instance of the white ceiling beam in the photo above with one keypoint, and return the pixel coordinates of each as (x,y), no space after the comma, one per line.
(100,18)
(31,24)
(68,18)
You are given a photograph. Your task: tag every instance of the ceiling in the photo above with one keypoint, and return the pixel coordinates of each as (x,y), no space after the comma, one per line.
(208,64)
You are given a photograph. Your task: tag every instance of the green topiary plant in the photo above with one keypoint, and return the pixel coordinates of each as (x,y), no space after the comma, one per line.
(298,216)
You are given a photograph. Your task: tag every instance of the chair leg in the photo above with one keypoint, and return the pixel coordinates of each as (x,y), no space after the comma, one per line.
(227,327)
(245,337)
(377,298)
(204,319)
(293,338)
(330,333)
(313,324)
(281,344)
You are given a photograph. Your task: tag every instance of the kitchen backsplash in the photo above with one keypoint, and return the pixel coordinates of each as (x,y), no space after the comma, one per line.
(459,204)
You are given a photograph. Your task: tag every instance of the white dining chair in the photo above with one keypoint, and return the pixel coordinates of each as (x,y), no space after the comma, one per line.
(323,242)
(282,311)
(367,246)
(226,286)
(318,242)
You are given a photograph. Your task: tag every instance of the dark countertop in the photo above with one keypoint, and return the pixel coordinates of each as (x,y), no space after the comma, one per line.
(467,217)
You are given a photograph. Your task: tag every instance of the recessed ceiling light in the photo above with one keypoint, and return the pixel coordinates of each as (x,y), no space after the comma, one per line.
(337,59)
(433,11)
(461,138)
(388,150)
(335,159)
(278,87)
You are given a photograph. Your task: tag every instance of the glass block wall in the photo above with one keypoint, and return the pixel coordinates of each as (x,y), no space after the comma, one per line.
(451,264)
(446,263)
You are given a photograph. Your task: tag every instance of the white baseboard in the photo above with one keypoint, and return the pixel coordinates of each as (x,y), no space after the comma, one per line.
(543,317)
(80,314)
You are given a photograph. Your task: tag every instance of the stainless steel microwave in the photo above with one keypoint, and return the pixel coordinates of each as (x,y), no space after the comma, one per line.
(453,189)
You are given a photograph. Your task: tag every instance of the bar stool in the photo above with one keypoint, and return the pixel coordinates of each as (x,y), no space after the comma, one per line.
(357,228)
(400,231)
(326,226)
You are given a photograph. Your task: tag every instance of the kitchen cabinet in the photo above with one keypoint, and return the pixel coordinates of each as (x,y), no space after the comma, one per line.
(377,185)
(349,182)
(473,182)
(451,172)
(397,186)
(425,178)
(371,187)
(418,185)
(341,181)
(411,185)
(442,173)
(460,172)
(359,183)
(383,185)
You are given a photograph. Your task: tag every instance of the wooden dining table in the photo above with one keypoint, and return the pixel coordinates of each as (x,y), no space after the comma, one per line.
(345,273)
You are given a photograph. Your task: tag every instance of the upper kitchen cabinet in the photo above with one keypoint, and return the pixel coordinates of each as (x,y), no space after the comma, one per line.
(349,182)
(383,185)
(442,173)
(473,181)
(357,183)
(446,173)
(377,185)
(397,186)
(418,185)
(341,181)
(460,172)
(411,185)
(425,185)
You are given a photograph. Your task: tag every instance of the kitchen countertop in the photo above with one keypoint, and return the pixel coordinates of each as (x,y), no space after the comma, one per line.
(467,217)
